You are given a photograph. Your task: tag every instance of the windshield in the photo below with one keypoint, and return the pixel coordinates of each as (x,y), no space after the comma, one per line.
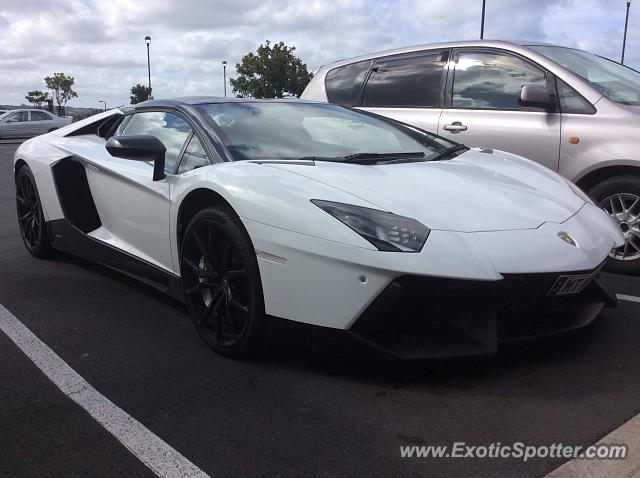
(289,130)
(616,82)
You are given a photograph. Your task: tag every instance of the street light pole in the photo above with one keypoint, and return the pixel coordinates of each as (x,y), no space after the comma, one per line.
(224,73)
(105,104)
(147,40)
(624,39)
(482,21)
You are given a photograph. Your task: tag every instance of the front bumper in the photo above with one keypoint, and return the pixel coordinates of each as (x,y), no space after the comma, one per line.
(417,317)
(421,317)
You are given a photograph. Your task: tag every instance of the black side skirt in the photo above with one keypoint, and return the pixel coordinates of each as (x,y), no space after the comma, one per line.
(67,238)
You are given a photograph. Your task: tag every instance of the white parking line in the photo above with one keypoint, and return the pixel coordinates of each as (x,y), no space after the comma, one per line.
(157,455)
(630,298)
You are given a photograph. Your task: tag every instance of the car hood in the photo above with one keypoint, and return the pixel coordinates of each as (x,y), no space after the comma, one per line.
(473,192)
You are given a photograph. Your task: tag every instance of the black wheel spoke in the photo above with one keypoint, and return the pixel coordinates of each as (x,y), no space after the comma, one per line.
(225,254)
(213,308)
(199,244)
(199,271)
(22,201)
(236,273)
(239,305)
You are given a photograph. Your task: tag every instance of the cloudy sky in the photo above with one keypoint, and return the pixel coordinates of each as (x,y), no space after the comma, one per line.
(101,42)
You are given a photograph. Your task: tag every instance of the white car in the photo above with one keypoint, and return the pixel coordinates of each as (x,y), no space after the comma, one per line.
(294,216)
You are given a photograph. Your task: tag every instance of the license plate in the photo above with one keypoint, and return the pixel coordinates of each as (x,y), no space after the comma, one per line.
(566,285)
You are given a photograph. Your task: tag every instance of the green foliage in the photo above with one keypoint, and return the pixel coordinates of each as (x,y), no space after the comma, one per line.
(274,72)
(61,89)
(139,93)
(37,98)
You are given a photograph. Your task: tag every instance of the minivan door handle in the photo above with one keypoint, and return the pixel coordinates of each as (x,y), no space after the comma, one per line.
(455,127)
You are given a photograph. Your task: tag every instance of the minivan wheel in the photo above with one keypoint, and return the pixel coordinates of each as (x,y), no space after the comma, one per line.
(620,197)
(221,283)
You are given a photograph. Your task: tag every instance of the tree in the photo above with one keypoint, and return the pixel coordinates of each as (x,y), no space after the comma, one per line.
(37,97)
(273,72)
(139,93)
(60,86)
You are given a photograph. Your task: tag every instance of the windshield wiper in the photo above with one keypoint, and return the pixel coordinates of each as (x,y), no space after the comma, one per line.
(374,158)
(449,152)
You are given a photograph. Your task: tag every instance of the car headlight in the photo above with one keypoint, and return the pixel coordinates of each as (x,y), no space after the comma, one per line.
(385,230)
(580,193)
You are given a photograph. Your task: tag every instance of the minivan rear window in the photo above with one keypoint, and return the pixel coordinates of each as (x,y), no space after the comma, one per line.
(344,83)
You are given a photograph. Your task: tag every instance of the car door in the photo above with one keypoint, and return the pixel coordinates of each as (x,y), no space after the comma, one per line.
(407,88)
(15,125)
(482,106)
(134,209)
(40,122)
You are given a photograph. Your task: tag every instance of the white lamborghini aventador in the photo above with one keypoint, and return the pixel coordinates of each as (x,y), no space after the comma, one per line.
(277,216)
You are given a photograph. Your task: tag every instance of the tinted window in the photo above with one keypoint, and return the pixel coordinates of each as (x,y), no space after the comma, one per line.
(405,81)
(344,83)
(194,156)
(571,101)
(39,116)
(172,130)
(491,80)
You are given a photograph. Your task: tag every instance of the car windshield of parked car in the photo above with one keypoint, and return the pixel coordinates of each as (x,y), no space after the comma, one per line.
(616,82)
(289,130)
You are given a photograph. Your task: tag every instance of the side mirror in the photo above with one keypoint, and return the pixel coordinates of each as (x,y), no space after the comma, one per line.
(139,148)
(535,95)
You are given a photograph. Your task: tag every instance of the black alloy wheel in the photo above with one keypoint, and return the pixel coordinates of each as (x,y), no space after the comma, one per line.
(30,216)
(221,283)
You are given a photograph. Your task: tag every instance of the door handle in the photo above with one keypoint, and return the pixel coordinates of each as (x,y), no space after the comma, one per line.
(455,127)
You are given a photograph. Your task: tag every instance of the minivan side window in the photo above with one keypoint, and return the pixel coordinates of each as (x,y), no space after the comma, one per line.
(486,80)
(344,83)
(409,80)
(172,130)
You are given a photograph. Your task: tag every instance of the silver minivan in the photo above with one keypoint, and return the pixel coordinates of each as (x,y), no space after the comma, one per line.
(570,110)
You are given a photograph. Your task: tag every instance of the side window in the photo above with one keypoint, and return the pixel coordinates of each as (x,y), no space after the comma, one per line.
(194,156)
(172,130)
(409,80)
(343,84)
(571,101)
(18,117)
(484,80)
(39,116)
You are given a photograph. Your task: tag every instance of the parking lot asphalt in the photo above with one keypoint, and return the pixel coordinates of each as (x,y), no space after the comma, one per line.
(292,412)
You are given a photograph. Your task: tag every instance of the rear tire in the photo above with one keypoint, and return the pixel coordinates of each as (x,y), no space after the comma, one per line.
(30,216)
(620,196)
(221,283)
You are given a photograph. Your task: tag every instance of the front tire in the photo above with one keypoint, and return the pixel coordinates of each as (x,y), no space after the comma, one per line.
(620,197)
(30,215)
(221,283)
